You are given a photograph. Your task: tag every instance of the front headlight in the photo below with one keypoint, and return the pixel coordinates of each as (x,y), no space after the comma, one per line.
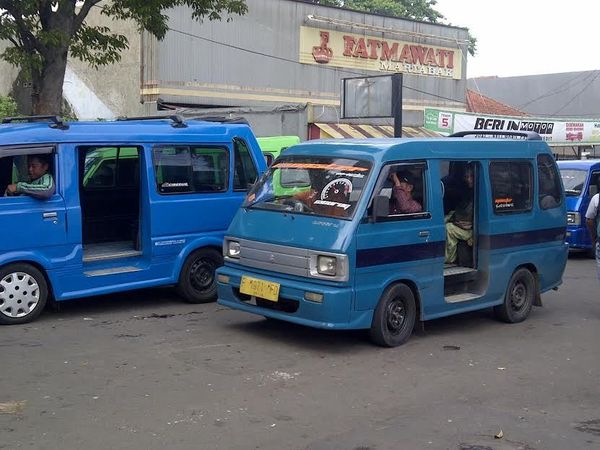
(232,249)
(327,265)
(573,218)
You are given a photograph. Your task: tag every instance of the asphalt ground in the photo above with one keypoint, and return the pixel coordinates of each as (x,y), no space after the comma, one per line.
(144,370)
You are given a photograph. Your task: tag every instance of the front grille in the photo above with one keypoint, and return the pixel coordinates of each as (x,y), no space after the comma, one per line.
(275,258)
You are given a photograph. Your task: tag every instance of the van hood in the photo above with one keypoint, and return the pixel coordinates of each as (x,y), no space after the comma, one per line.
(295,230)
(573,203)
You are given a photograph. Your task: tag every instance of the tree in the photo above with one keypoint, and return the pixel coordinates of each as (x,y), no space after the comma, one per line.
(44,32)
(411,9)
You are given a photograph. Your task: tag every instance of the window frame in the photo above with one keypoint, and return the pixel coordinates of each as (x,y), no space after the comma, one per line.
(558,180)
(226,159)
(235,142)
(25,150)
(382,178)
(527,161)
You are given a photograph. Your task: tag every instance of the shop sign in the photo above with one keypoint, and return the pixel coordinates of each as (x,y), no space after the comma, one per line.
(556,132)
(358,51)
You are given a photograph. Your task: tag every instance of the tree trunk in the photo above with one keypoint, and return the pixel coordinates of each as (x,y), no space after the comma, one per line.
(47,84)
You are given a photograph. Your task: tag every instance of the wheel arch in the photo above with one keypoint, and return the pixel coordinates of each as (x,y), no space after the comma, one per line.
(537,299)
(412,285)
(39,266)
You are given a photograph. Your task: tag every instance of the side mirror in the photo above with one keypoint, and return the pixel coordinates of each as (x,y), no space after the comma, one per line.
(593,190)
(381,207)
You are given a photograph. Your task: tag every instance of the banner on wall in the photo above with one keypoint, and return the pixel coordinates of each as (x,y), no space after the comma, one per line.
(554,132)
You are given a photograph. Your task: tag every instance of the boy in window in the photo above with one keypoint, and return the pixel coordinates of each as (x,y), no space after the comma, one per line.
(403,203)
(40,185)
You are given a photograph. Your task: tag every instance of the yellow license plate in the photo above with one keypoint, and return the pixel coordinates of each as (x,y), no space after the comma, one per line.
(259,288)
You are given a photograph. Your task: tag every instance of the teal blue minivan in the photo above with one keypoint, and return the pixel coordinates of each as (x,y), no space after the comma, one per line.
(343,255)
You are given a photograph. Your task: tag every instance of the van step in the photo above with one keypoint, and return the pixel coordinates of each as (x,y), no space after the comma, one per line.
(450,270)
(462,297)
(111,271)
(109,250)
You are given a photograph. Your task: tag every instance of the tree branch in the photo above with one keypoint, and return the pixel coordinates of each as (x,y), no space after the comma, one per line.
(83,12)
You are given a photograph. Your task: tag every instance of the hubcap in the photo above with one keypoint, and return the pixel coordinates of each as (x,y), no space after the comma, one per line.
(396,315)
(518,295)
(202,274)
(19,294)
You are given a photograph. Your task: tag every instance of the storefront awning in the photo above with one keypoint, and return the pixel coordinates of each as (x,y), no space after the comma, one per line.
(346,130)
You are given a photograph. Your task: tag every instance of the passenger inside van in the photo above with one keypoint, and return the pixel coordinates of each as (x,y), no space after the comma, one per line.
(459,221)
(402,194)
(40,184)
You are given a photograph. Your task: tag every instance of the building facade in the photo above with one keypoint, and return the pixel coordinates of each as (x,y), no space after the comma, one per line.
(287,55)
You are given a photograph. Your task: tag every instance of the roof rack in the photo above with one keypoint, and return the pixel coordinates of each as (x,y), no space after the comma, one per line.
(528,135)
(223,119)
(177,120)
(56,121)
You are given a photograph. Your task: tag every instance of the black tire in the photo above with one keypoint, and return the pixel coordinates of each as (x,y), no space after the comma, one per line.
(394,317)
(197,280)
(519,297)
(23,293)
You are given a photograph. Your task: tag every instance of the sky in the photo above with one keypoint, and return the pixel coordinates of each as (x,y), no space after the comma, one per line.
(528,37)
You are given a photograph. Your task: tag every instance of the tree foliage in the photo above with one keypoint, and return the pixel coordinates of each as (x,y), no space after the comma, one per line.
(42,33)
(8,107)
(423,10)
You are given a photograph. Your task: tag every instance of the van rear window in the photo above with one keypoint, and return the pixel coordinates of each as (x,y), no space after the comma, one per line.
(511,186)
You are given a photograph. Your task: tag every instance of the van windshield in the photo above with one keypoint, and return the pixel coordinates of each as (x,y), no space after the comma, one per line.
(320,186)
(573,180)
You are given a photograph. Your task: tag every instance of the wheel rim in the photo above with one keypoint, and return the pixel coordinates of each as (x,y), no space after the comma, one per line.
(19,294)
(395,316)
(202,274)
(518,295)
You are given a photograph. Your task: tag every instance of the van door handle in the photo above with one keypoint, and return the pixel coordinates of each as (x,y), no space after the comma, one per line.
(50,215)
(424,234)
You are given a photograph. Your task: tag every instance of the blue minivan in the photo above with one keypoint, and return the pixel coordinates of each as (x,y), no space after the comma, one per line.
(138,203)
(332,250)
(581,179)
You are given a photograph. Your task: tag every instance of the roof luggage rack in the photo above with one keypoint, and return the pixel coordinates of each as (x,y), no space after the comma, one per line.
(55,121)
(177,120)
(527,135)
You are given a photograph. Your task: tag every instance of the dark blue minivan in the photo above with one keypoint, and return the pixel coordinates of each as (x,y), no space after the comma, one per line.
(137,203)
(581,179)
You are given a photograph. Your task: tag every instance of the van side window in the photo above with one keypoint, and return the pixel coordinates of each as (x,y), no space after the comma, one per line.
(405,188)
(245,173)
(108,167)
(511,186)
(548,183)
(14,166)
(190,169)
(594,184)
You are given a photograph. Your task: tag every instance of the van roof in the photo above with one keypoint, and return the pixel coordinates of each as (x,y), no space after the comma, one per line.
(578,163)
(390,149)
(159,130)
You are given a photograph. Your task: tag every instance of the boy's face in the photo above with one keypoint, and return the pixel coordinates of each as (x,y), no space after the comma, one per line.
(36,168)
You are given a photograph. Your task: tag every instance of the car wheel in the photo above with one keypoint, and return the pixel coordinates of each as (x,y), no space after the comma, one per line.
(23,293)
(519,297)
(394,317)
(197,280)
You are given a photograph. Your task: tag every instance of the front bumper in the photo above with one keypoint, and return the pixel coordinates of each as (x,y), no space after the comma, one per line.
(578,238)
(334,312)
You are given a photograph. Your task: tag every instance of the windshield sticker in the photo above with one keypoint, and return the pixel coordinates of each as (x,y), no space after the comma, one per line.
(344,206)
(337,190)
(351,175)
(329,166)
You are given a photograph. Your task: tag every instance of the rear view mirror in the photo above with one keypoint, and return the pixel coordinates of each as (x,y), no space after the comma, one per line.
(381,207)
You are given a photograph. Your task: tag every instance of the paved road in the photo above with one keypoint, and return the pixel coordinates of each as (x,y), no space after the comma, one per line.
(145,371)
